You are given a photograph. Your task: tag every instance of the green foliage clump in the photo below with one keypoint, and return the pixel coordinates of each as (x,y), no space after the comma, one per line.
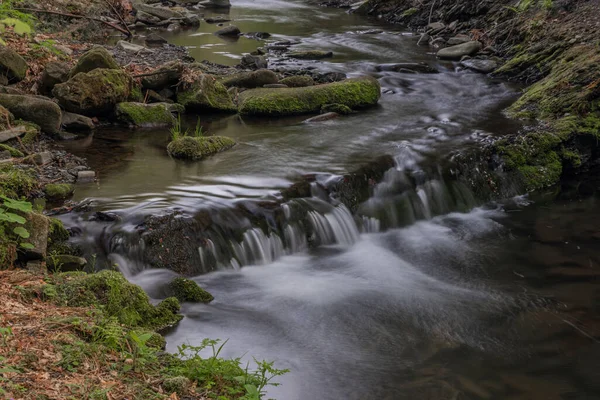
(17,182)
(197,148)
(13,233)
(58,191)
(187,290)
(409,12)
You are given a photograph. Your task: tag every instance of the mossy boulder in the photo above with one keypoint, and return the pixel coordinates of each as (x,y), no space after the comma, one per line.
(167,75)
(57,231)
(54,73)
(94,93)
(36,109)
(12,65)
(353,93)
(184,289)
(310,54)
(147,115)
(336,108)
(298,81)
(17,182)
(459,51)
(58,191)
(13,152)
(117,297)
(205,94)
(96,58)
(251,80)
(197,148)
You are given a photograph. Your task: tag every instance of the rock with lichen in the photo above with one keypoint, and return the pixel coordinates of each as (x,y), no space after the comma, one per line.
(96,58)
(147,115)
(205,94)
(58,191)
(197,148)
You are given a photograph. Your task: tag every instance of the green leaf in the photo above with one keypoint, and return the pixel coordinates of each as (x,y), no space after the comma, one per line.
(18,205)
(22,232)
(10,217)
(27,246)
(19,27)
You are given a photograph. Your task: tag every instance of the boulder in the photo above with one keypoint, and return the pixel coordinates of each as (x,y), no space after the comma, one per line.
(147,115)
(170,74)
(310,54)
(250,80)
(163,13)
(216,20)
(459,51)
(76,123)
(55,73)
(58,191)
(482,66)
(131,47)
(353,93)
(184,289)
(250,61)
(298,81)
(36,109)
(205,94)
(12,65)
(146,18)
(65,263)
(154,39)
(459,39)
(197,148)
(230,30)
(94,93)
(96,58)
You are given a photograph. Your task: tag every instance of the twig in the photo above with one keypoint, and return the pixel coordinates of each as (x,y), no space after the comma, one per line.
(119,16)
(155,73)
(76,16)
(431,11)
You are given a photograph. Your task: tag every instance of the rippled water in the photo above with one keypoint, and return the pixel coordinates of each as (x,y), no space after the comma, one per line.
(424,293)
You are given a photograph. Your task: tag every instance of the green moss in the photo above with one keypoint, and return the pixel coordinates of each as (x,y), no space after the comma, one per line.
(571,157)
(97,57)
(13,152)
(177,384)
(250,80)
(58,191)
(353,93)
(187,290)
(57,232)
(17,182)
(336,108)
(197,148)
(206,94)
(136,93)
(147,115)
(298,81)
(409,13)
(117,297)
(32,131)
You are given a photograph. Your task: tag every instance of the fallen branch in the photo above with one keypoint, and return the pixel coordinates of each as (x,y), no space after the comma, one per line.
(118,28)
(119,16)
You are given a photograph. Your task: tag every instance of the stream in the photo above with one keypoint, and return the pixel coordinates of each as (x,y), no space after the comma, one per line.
(422,293)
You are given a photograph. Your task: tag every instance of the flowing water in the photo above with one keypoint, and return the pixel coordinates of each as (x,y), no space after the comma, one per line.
(420,292)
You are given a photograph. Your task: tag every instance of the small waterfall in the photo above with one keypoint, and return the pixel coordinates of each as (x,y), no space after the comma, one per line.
(335,227)
(258,248)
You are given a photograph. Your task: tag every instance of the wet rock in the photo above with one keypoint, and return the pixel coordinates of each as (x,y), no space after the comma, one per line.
(135,48)
(163,13)
(230,30)
(43,158)
(216,3)
(482,66)
(421,68)
(254,62)
(310,54)
(37,225)
(197,148)
(437,42)
(186,290)
(275,86)
(424,40)
(97,57)
(174,27)
(298,81)
(147,19)
(258,35)
(330,77)
(85,176)
(458,51)
(154,39)
(12,65)
(191,20)
(58,191)
(147,115)
(435,27)
(94,93)
(54,73)
(44,113)
(353,93)
(336,108)
(205,94)
(216,20)
(251,80)
(65,263)
(322,118)
(76,123)
(277,48)
(165,76)
(458,39)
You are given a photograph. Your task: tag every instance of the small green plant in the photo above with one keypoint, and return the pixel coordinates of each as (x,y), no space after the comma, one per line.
(177,131)
(21,23)
(15,222)
(4,334)
(142,354)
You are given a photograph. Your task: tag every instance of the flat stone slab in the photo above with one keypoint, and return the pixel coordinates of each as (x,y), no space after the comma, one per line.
(12,133)
(459,51)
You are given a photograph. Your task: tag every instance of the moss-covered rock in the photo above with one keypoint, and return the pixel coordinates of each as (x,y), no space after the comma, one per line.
(298,81)
(184,289)
(147,115)
(251,80)
(97,57)
(310,54)
(177,384)
(205,94)
(58,191)
(12,65)
(17,182)
(336,108)
(353,93)
(13,152)
(197,148)
(94,93)
(32,131)
(166,75)
(36,109)
(57,232)
(54,73)
(117,297)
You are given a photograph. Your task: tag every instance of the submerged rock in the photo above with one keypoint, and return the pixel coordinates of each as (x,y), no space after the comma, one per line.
(12,65)
(197,148)
(310,54)
(36,109)
(250,61)
(154,39)
(76,123)
(206,94)
(97,57)
(459,51)
(147,115)
(251,80)
(94,93)
(322,118)
(298,81)
(483,66)
(230,30)
(353,93)
(184,289)
(336,108)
